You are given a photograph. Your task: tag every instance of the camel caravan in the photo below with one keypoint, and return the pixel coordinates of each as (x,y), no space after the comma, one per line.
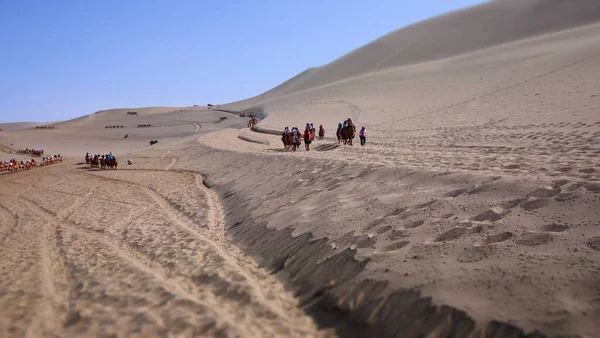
(253,121)
(14,166)
(293,138)
(33,152)
(102,162)
(111,127)
(45,127)
(144,125)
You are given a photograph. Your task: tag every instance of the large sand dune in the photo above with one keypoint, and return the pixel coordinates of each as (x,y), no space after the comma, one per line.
(473,210)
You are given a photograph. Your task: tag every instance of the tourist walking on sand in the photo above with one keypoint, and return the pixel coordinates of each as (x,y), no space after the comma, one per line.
(363,136)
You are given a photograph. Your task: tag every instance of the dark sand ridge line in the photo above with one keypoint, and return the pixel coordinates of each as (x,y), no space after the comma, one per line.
(327,287)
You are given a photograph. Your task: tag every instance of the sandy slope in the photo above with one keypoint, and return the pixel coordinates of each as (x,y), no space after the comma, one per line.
(487,25)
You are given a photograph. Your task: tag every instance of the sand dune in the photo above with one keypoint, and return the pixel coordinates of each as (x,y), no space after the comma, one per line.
(487,25)
(471,212)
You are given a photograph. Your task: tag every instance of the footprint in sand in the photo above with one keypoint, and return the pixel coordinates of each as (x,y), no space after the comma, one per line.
(512,166)
(498,238)
(564,169)
(587,170)
(426,204)
(594,243)
(383,229)
(511,203)
(535,204)
(374,224)
(345,240)
(544,192)
(395,246)
(420,251)
(397,234)
(488,215)
(452,234)
(559,183)
(535,238)
(475,254)
(555,227)
(566,196)
(455,193)
(365,241)
(414,224)
(592,186)
(576,186)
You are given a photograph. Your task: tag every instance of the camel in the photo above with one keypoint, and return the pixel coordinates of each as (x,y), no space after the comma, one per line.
(287,141)
(308,137)
(348,133)
(296,140)
(111,164)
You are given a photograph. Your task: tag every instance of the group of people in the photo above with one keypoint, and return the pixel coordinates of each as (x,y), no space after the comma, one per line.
(362,134)
(14,165)
(89,156)
(36,152)
(310,131)
(102,161)
(252,122)
(51,159)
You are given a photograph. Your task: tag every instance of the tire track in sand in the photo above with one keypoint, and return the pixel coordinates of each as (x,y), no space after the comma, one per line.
(271,309)
(215,217)
(258,280)
(134,258)
(173,162)
(53,284)
(8,222)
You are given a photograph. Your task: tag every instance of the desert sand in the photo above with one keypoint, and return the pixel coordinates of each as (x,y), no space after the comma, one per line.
(472,211)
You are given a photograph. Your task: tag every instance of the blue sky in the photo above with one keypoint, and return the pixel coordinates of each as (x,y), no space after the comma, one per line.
(63,59)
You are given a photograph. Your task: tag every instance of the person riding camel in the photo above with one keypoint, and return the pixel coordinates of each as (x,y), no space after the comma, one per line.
(350,120)
(339,125)
(286,131)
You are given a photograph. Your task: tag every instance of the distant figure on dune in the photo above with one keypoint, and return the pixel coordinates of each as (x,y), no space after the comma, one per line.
(363,135)
(321,132)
